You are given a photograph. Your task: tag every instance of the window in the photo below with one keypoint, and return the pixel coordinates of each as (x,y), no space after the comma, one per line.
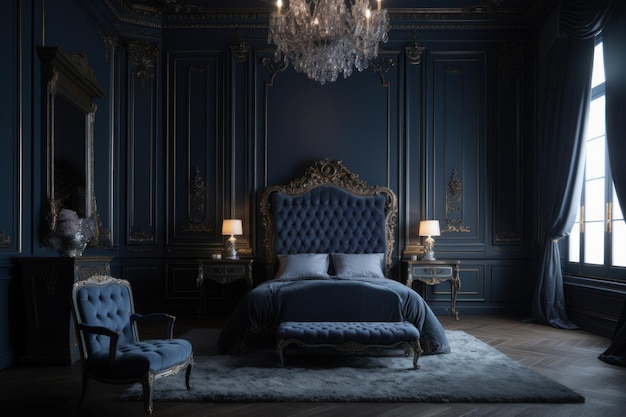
(597,242)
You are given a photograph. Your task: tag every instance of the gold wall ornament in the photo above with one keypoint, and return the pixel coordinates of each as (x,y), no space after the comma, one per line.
(81,64)
(197,67)
(143,55)
(454,205)
(197,225)
(140,249)
(453,69)
(111,43)
(414,53)
(197,191)
(508,237)
(240,51)
(5,240)
(157,8)
(485,6)
(86,270)
(141,235)
(196,220)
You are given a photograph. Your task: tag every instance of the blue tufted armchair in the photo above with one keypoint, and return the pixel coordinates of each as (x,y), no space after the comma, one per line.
(110,348)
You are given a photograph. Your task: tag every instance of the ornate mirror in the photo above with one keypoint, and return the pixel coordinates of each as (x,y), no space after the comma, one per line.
(69,89)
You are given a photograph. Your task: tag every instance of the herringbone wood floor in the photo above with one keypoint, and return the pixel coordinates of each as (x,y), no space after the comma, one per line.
(567,356)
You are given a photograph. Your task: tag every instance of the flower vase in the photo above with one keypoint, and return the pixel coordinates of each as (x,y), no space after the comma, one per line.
(71,246)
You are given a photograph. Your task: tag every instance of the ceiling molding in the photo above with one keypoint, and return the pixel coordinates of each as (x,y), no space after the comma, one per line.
(191,15)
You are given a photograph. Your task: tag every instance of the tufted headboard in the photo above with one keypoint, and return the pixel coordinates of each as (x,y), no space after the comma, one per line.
(327,210)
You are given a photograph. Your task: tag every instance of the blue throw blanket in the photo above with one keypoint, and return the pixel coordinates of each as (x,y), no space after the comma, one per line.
(329,299)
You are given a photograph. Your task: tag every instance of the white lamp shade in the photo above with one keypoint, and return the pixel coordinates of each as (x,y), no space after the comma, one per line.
(232,227)
(429,228)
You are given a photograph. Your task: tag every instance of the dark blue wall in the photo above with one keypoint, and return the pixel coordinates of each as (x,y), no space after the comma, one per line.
(66,24)
(9,173)
(194,126)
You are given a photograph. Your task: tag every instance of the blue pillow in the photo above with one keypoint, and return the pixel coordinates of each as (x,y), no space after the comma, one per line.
(368,265)
(302,265)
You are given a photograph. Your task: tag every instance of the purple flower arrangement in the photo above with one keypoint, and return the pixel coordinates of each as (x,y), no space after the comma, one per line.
(69,223)
(72,233)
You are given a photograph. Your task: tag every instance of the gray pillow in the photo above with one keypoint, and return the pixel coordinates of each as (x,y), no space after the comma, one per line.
(302,265)
(368,265)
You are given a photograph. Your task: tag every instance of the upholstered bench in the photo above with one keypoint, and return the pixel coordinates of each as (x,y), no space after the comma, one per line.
(349,336)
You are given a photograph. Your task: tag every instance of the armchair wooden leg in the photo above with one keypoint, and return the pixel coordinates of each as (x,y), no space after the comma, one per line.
(147,393)
(84,388)
(187,376)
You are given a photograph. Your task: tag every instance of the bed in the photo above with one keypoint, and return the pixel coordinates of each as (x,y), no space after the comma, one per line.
(329,241)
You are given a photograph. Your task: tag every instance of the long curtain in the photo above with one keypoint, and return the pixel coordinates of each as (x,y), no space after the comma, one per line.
(614,40)
(565,87)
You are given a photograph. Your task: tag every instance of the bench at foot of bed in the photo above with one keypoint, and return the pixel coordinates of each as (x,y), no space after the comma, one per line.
(349,336)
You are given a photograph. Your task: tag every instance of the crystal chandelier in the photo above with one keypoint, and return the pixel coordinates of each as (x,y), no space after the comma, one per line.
(323,38)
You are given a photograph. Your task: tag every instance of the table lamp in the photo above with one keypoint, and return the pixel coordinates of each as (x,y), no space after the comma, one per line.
(429,228)
(232,227)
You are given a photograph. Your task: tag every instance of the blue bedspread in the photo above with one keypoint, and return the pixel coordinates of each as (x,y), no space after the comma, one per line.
(329,299)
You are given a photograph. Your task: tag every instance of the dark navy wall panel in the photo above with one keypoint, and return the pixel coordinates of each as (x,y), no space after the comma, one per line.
(413,206)
(511,145)
(347,120)
(455,146)
(142,148)
(147,279)
(196,196)
(240,146)
(512,285)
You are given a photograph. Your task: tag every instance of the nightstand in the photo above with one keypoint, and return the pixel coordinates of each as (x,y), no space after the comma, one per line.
(222,271)
(433,273)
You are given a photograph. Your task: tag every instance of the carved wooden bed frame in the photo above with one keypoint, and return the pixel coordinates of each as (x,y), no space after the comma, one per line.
(333,173)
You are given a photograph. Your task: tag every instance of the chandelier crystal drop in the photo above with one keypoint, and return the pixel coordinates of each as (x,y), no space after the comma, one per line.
(324,38)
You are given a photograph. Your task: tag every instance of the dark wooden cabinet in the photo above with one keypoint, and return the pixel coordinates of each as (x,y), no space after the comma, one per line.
(47,284)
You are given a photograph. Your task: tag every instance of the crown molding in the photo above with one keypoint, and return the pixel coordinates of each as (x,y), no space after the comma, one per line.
(191,15)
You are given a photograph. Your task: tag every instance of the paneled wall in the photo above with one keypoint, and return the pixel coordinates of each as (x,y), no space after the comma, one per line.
(442,131)
(198,120)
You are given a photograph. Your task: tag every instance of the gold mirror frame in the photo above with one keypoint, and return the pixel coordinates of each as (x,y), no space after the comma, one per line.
(69,88)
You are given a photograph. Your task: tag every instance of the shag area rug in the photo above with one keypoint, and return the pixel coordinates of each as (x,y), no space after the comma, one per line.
(472,372)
